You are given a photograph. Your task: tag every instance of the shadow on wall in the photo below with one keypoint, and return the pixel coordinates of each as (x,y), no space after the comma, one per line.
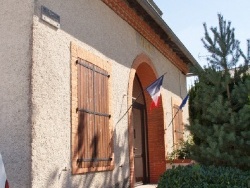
(117,178)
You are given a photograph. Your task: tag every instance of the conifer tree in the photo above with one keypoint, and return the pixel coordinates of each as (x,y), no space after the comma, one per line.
(219,102)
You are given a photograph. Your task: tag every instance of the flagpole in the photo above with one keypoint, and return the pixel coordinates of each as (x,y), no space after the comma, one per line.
(130,106)
(173,118)
(136,99)
(180,108)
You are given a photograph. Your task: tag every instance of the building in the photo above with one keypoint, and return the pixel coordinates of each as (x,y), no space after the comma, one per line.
(69,73)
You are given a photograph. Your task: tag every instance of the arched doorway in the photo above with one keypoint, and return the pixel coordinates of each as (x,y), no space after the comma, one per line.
(140,141)
(151,124)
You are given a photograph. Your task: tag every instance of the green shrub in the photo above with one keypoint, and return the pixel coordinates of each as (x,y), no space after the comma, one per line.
(197,176)
(183,151)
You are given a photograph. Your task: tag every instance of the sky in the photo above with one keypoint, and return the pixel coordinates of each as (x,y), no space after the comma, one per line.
(186,18)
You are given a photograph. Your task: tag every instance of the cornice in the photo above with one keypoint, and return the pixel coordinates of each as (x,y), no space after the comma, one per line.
(121,8)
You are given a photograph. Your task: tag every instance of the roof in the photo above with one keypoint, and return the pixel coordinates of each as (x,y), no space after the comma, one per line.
(152,15)
(145,17)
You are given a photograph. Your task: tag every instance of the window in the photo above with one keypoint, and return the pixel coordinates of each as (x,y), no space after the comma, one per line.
(178,127)
(92,143)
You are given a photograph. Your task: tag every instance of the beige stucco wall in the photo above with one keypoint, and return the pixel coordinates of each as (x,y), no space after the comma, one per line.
(15,63)
(51,93)
(95,27)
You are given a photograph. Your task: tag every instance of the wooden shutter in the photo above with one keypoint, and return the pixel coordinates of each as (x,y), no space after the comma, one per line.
(178,126)
(94,138)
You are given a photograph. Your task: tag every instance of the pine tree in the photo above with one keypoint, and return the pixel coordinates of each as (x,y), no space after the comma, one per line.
(220,102)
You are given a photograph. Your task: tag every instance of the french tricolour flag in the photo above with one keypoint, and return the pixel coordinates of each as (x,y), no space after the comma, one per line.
(154,91)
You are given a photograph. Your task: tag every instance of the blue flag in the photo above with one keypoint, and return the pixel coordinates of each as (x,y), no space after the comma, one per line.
(184,101)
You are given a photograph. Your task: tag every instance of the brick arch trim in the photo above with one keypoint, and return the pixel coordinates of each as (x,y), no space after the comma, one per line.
(142,64)
(141,58)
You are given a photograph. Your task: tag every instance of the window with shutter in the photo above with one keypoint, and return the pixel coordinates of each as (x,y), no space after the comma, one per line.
(178,127)
(92,141)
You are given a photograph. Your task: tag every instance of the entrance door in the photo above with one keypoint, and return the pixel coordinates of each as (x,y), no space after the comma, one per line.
(140,144)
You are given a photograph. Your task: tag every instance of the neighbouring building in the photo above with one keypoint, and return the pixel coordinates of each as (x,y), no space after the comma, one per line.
(69,72)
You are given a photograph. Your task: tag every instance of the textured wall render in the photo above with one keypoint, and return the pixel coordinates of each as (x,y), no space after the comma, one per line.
(51,117)
(51,92)
(15,63)
(96,28)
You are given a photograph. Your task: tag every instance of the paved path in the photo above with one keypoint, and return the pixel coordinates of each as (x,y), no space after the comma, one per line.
(147,186)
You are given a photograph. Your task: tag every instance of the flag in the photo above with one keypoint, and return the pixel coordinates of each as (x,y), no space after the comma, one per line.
(184,101)
(154,91)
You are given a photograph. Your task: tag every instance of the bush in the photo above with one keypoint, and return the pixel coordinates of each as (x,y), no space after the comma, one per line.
(196,176)
(183,151)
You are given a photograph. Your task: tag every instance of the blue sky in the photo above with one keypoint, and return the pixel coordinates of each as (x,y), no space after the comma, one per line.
(186,18)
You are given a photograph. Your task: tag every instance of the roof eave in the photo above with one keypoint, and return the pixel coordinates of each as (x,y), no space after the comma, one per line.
(158,19)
